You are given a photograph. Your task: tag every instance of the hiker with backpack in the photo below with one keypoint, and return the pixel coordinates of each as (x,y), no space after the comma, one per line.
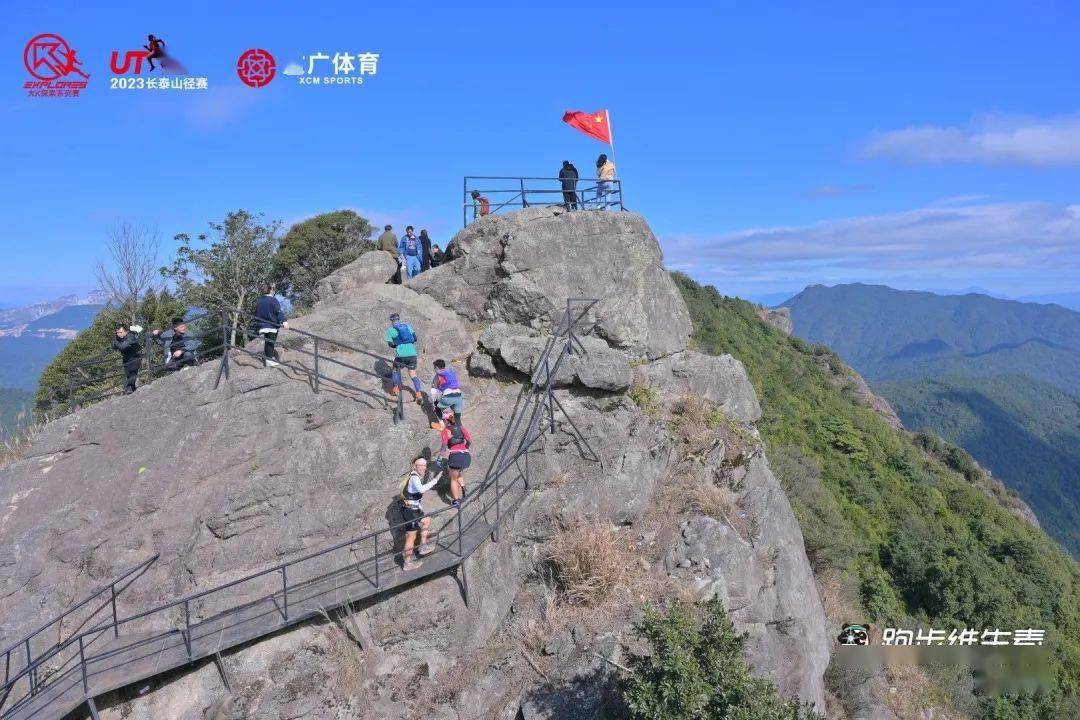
(445,391)
(455,450)
(481,205)
(417,523)
(402,338)
(410,248)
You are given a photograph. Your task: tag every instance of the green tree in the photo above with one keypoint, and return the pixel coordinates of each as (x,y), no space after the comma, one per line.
(316,247)
(696,670)
(224,274)
(89,360)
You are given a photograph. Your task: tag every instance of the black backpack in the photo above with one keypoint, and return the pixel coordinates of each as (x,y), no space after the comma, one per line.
(457,436)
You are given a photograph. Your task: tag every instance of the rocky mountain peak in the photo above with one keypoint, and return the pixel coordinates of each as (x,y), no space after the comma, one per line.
(221,482)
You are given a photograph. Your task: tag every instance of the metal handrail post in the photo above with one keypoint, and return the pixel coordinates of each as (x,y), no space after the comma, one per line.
(149,358)
(316,364)
(285,592)
(465,201)
(460,538)
(523,203)
(29,661)
(115,626)
(375,554)
(187,627)
(82,665)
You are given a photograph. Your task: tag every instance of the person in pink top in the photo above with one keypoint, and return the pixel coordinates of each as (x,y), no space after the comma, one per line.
(455,448)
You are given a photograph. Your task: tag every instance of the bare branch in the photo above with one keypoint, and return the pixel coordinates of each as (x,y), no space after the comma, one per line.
(131,269)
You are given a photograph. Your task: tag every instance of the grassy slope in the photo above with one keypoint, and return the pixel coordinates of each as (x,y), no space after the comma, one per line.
(1026,432)
(920,542)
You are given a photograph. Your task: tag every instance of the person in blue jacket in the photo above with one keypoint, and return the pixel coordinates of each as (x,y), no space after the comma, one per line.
(410,248)
(269,319)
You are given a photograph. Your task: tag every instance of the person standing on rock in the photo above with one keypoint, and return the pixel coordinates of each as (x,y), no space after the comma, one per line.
(402,338)
(388,242)
(417,524)
(425,243)
(445,392)
(605,173)
(569,177)
(455,448)
(269,319)
(409,247)
(127,344)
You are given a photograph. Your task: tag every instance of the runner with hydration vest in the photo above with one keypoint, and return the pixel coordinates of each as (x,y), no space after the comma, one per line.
(455,450)
(417,523)
(445,392)
(402,338)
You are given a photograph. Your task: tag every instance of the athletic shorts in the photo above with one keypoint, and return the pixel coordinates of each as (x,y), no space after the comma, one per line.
(460,460)
(412,517)
(452,402)
(405,362)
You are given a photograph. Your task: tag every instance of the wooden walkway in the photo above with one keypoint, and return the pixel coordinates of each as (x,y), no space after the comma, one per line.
(113,663)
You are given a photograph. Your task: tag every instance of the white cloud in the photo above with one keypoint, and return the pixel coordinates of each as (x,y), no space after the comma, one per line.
(989,140)
(1015,245)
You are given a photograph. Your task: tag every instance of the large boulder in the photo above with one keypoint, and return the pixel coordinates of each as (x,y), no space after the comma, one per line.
(599,367)
(375,267)
(717,379)
(521,267)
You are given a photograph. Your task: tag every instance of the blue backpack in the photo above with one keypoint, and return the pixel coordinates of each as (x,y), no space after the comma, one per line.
(405,334)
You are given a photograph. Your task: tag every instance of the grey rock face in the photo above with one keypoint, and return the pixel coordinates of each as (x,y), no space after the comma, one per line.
(520,268)
(375,267)
(779,318)
(718,379)
(223,482)
(764,582)
(600,367)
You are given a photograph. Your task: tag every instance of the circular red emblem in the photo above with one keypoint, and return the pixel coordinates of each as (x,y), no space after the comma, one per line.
(256,67)
(48,57)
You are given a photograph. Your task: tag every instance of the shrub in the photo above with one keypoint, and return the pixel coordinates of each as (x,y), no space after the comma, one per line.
(587,560)
(696,670)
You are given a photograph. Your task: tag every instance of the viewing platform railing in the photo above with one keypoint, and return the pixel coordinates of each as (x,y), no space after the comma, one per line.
(514,193)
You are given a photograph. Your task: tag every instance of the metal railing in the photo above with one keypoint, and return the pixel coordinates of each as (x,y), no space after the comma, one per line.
(515,193)
(25,645)
(286,589)
(103,376)
(320,353)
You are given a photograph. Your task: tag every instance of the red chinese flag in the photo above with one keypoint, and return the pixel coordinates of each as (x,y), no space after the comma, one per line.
(596,124)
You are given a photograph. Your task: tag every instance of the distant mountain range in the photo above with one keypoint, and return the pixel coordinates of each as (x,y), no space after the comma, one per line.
(30,337)
(999,377)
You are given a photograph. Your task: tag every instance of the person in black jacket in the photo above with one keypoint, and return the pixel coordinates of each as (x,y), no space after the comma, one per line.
(269,319)
(569,177)
(127,344)
(180,350)
(425,241)
(436,255)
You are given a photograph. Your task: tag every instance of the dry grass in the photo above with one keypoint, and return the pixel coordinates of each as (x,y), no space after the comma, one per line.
(689,494)
(588,560)
(346,654)
(841,600)
(16,446)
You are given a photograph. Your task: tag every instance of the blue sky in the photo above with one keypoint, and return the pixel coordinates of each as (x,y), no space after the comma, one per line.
(917,144)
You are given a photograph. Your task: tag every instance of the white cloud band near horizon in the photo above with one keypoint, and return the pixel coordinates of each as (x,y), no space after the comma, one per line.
(991,140)
(1012,247)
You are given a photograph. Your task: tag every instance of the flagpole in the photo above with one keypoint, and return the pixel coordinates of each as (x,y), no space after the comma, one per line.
(611,141)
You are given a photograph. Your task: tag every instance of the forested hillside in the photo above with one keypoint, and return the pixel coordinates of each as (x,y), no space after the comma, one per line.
(998,377)
(893,523)
(1021,429)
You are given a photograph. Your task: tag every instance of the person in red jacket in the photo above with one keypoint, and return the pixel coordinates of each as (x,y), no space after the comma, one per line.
(455,448)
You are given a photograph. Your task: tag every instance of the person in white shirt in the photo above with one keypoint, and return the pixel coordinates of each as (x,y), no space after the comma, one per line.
(417,523)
